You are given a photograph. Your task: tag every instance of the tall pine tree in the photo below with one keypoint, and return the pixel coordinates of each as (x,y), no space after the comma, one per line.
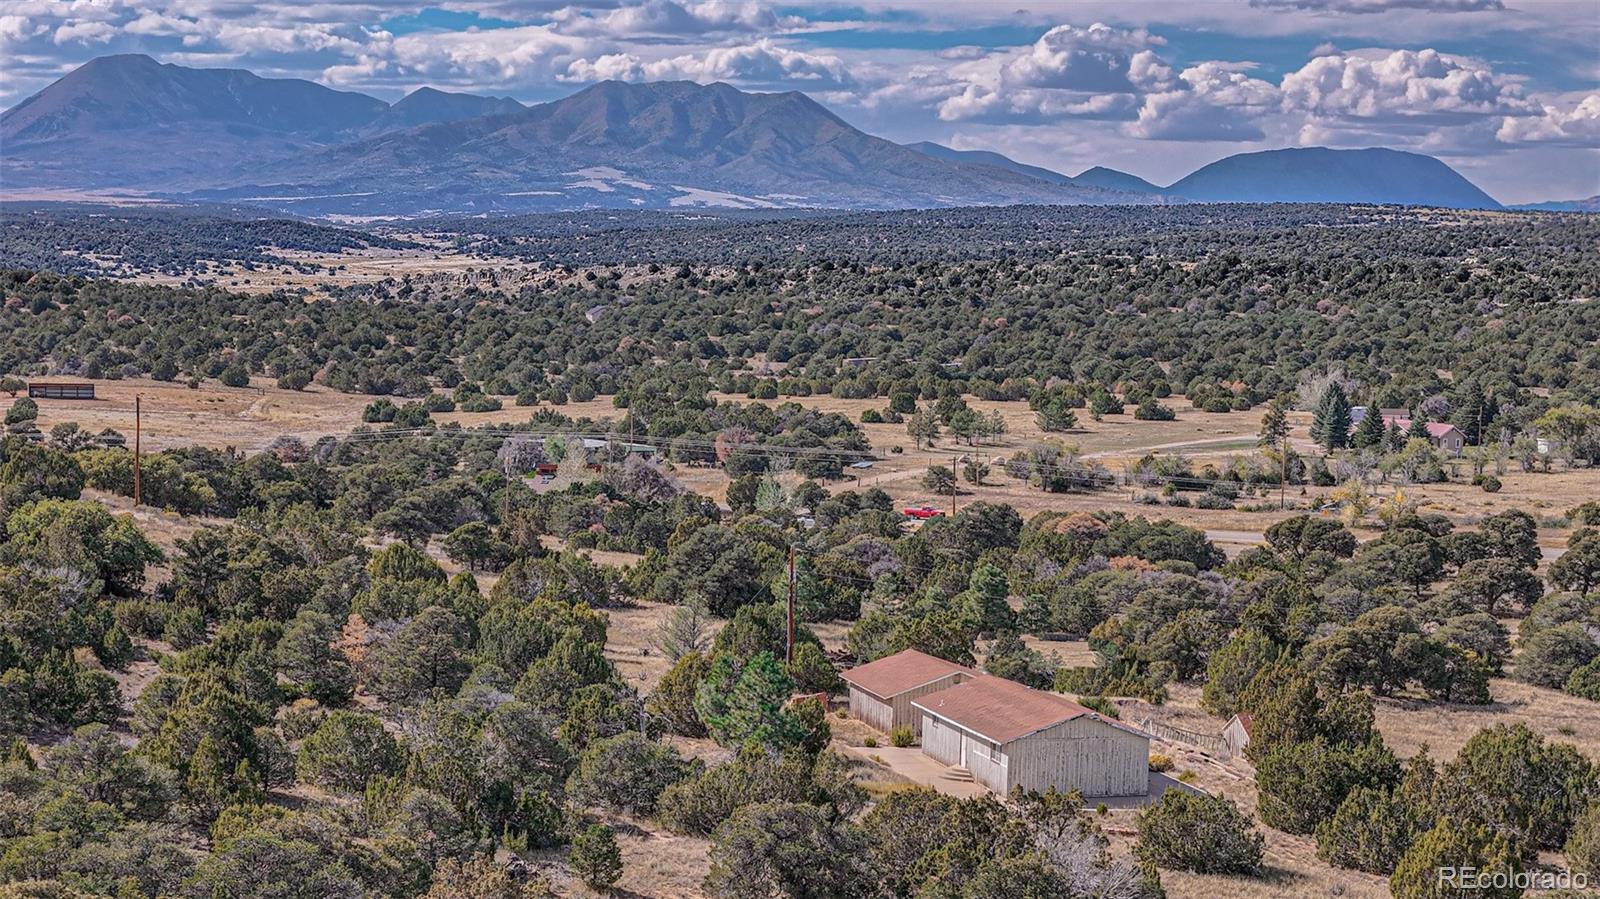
(1330,425)
(1369,434)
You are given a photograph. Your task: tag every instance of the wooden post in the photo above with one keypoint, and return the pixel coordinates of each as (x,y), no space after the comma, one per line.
(1283,477)
(956,482)
(138,428)
(788,652)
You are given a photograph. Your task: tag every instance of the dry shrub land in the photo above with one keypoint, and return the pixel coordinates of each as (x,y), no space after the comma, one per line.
(465,577)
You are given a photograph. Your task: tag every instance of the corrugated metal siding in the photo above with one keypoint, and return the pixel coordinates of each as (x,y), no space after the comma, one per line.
(1092,757)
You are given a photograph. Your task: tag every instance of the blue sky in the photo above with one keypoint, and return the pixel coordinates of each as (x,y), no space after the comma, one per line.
(1506,91)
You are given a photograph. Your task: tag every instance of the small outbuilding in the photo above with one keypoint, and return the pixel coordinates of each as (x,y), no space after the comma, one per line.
(61,390)
(1008,735)
(1236,734)
(881,692)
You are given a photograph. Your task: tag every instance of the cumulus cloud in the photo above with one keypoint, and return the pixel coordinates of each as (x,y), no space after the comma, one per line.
(1184,115)
(19,28)
(1577,125)
(85,33)
(1399,84)
(1217,101)
(531,54)
(667,17)
(1098,59)
(1359,7)
(763,62)
(1093,72)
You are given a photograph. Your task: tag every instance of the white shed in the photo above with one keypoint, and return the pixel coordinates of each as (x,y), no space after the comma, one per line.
(881,691)
(1009,735)
(1236,734)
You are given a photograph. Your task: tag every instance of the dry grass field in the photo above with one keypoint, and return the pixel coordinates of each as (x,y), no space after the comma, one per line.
(245,418)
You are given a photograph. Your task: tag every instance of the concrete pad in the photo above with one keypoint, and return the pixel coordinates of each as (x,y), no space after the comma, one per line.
(910,763)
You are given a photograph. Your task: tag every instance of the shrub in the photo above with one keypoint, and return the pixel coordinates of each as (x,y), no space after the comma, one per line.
(1583,845)
(1204,834)
(595,857)
(627,773)
(235,376)
(870,742)
(1491,484)
(348,750)
(1100,704)
(1584,682)
(1457,845)
(1159,762)
(901,737)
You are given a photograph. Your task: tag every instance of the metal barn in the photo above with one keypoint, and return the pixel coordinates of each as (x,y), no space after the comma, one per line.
(881,692)
(1009,735)
(61,390)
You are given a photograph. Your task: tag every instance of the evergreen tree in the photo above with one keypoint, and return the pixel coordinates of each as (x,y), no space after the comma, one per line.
(1274,425)
(1394,439)
(747,703)
(1330,425)
(595,857)
(1369,433)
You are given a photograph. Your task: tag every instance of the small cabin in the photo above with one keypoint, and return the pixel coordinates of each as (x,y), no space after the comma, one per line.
(61,390)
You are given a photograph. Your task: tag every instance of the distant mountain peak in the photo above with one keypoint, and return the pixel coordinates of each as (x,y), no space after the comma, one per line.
(130,121)
(1111,179)
(1326,175)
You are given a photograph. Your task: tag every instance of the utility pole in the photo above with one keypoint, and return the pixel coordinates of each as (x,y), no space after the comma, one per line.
(138,428)
(1283,476)
(955,481)
(788,652)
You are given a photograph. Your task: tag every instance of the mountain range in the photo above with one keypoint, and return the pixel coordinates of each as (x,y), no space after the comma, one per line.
(129,123)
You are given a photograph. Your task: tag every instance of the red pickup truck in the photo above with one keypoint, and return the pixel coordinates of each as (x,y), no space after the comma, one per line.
(923,512)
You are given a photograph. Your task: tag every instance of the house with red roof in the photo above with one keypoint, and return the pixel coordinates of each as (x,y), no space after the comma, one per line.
(1444,436)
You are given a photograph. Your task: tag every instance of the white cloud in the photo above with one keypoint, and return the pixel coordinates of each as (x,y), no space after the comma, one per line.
(1578,125)
(156,24)
(670,18)
(1183,115)
(1098,59)
(1381,6)
(763,62)
(85,33)
(1217,101)
(1400,83)
(19,28)
(283,39)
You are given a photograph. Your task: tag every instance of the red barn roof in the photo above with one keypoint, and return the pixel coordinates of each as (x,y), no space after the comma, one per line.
(905,670)
(1004,710)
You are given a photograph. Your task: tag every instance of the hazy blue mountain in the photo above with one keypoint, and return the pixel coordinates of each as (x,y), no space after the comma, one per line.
(990,158)
(427,106)
(1111,179)
(128,120)
(1321,175)
(660,144)
(1589,204)
(230,136)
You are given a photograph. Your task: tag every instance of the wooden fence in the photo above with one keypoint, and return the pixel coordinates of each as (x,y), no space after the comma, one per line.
(1210,743)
